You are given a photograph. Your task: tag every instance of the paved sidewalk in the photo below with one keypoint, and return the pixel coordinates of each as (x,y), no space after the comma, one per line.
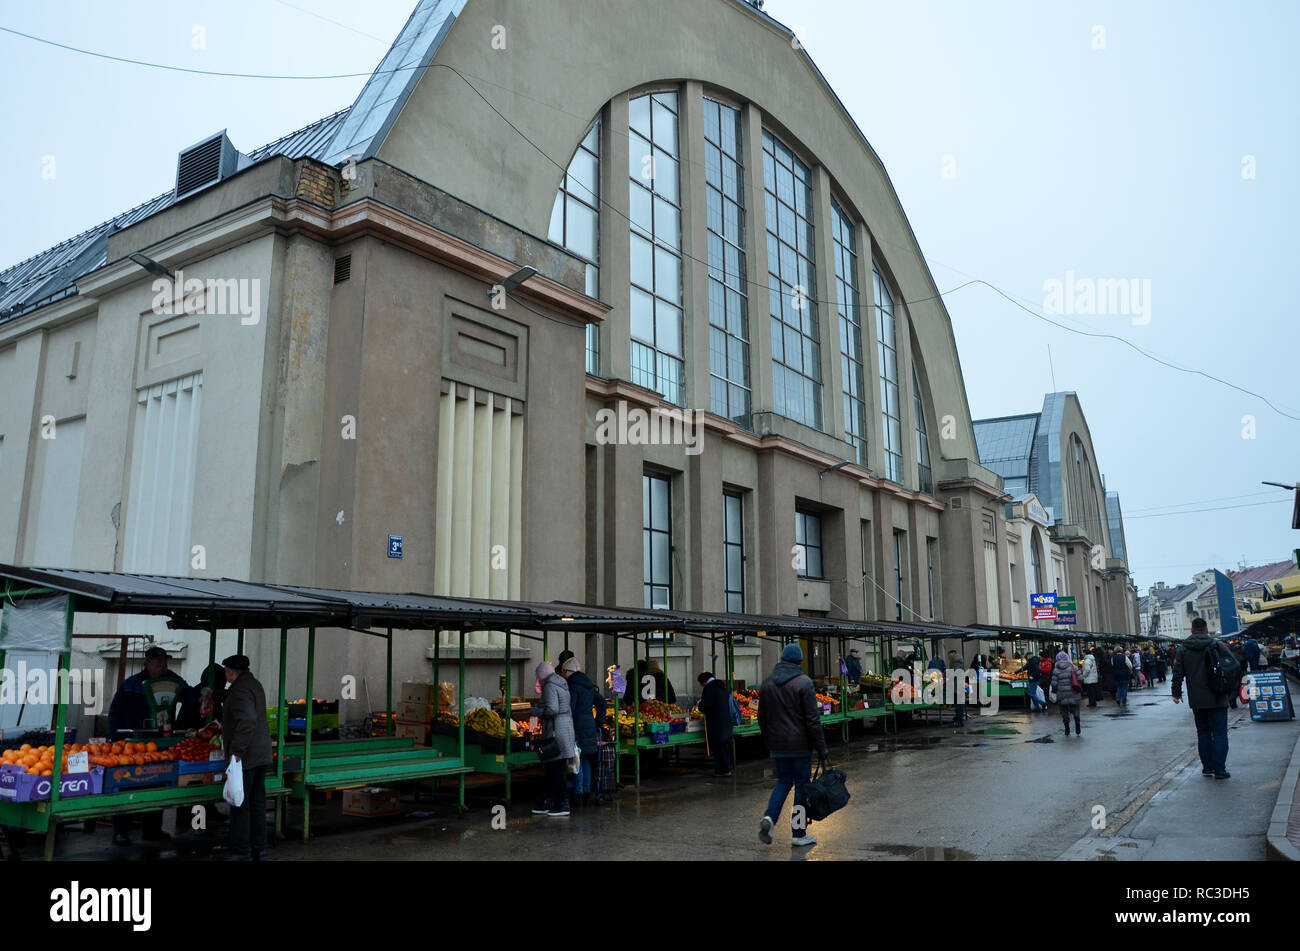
(1021,790)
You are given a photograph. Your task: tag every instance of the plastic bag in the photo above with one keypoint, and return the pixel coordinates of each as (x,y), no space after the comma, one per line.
(233,792)
(575,761)
(1037,693)
(446,696)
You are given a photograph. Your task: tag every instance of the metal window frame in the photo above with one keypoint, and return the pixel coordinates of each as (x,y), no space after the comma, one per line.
(744,417)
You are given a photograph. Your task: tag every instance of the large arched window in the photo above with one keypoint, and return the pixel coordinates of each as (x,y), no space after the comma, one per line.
(843,233)
(654,197)
(925,478)
(792,282)
(575,222)
(891,414)
(724,189)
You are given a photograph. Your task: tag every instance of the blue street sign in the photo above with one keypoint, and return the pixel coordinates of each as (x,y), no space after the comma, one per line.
(1067,617)
(394,546)
(1043,599)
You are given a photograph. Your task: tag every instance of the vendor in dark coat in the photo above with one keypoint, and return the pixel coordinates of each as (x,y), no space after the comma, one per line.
(715,704)
(663,686)
(130,712)
(248,742)
(853,665)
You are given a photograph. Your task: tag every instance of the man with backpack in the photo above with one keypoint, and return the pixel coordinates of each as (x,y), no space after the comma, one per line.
(790,722)
(719,724)
(1211,673)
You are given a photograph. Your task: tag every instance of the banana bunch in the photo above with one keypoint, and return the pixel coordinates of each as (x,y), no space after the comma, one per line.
(487,722)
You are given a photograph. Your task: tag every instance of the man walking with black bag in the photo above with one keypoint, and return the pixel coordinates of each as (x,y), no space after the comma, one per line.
(791,725)
(1198,660)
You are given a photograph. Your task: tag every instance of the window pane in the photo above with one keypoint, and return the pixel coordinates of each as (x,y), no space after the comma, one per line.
(556,230)
(668,275)
(665,175)
(734,571)
(668,224)
(643,316)
(584,176)
(732,524)
(638,159)
(659,503)
(641,202)
(638,114)
(659,556)
(642,262)
(668,328)
(665,128)
(582,229)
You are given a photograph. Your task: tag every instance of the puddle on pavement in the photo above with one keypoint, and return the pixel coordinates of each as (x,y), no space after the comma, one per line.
(924,853)
(940,853)
(1153,703)
(969,746)
(995,731)
(911,743)
(1042,739)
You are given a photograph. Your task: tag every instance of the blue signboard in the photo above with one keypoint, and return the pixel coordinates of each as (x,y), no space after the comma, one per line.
(1043,599)
(1067,617)
(1227,604)
(394,546)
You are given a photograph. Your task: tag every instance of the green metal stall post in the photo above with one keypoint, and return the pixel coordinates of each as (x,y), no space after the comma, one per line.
(506,711)
(388,712)
(306,749)
(460,694)
(61,722)
(282,713)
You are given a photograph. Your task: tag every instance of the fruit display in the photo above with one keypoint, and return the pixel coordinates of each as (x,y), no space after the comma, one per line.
(39,760)
(193,750)
(748,700)
(656,711)
(902,691)
(873,682)
(825,698)
(448,718)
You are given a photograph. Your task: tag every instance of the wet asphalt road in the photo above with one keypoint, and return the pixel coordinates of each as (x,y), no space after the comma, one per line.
(931,793)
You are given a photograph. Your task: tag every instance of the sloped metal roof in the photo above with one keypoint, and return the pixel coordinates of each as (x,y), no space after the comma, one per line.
(1115,518)
(388,88)
(1006,444)
(53,273)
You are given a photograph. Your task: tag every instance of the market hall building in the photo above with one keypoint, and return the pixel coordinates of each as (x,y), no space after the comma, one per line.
(357,386)
(1067,530)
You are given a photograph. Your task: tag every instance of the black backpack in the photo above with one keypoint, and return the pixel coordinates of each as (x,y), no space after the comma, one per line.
(1222,671)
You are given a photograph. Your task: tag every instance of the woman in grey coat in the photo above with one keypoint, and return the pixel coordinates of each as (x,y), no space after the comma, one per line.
(1067,696)
(557,723)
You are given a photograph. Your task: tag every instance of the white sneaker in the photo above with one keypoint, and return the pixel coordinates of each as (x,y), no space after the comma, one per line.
(805,839)
(765,831)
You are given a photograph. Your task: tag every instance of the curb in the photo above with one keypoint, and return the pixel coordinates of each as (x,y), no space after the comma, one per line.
(1279,846)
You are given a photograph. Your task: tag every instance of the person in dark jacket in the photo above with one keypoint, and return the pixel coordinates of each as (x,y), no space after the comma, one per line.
(662,685)
(1252,655)
(128,713)
(1030,670)
(588,708)
(1067,697)
(1210,709)
(203,701)
(1106,669)
(789,720)
(853,666)
(715,704)
(247,740)
(1123,669)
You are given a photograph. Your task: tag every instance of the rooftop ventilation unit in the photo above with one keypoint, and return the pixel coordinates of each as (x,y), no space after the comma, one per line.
(205,163)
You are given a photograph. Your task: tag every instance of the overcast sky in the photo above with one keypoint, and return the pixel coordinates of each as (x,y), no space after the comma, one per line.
(1028,141)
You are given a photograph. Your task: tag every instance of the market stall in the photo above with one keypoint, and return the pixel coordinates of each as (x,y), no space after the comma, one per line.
(32,597)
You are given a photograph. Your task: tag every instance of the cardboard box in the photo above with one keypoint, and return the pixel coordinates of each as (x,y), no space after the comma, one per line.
(414,692)
(18,786)
(371,803)
(413,711)
(148,776)
(417,730)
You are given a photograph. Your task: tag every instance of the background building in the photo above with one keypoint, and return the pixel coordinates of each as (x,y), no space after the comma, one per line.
(1050,455)
(709,229)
